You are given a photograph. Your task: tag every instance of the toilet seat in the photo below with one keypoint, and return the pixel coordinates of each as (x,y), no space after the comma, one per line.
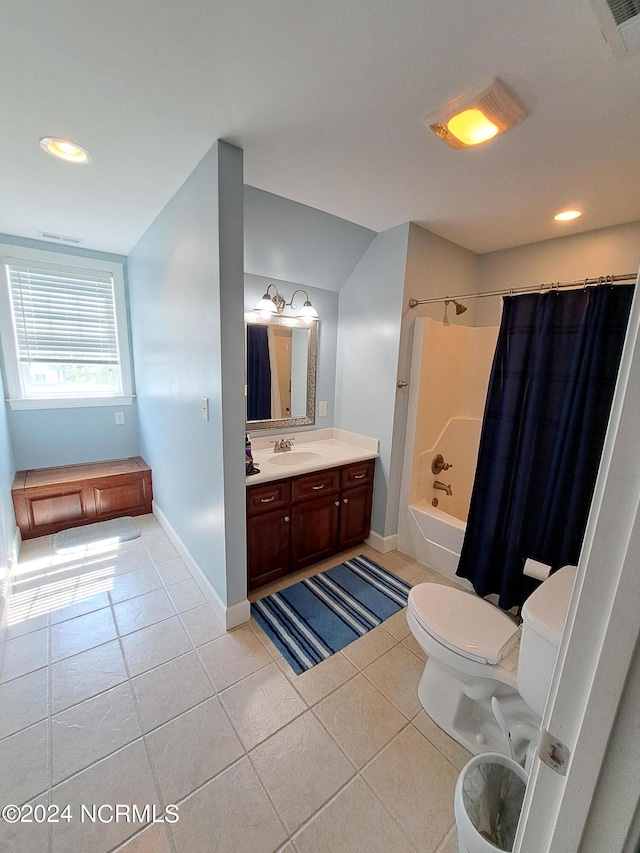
(463,623)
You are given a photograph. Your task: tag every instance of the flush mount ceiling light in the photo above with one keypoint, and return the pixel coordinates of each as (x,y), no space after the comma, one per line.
(64,149)
(272,305)
(567,215)
(476,116)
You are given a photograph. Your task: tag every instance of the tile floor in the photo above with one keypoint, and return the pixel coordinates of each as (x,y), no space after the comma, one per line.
(120,686)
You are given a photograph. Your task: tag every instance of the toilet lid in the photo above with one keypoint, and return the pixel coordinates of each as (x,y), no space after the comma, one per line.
(463,622)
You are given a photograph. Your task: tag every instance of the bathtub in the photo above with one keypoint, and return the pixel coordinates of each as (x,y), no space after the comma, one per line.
(433,537)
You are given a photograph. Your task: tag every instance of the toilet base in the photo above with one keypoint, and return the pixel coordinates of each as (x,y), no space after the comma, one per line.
(468,719)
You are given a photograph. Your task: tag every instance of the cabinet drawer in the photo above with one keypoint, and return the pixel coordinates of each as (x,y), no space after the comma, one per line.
(313,485)
(268,497)
(357,474)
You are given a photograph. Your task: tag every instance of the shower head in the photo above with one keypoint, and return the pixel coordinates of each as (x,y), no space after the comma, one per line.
(460,309)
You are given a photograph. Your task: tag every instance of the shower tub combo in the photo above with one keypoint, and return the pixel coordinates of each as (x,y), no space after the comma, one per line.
(449,377)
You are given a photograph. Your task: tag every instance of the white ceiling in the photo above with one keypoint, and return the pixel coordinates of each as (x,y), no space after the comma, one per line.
(326,99)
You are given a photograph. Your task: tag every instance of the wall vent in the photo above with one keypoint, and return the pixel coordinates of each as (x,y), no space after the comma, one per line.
(620,24)
(60,238)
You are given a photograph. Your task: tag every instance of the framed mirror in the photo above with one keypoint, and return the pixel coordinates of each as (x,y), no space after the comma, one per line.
(280,371)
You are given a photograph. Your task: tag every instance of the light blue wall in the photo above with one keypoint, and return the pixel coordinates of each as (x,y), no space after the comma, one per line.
(186,296)
(45,437)
(326,304)
(289,241)
(370,314)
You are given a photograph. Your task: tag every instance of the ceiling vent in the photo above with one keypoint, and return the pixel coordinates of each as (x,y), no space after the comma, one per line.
(59,238)
(620,24)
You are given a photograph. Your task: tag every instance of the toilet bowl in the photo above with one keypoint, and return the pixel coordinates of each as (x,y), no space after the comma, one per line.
(476,652)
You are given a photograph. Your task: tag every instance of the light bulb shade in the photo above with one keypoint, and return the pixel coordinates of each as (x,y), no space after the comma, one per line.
(567,215)
(472,127)
(308,312)
(64,149)
(266,305)
(477,116)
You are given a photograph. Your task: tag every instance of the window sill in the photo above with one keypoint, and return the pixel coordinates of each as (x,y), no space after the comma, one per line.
(69,403)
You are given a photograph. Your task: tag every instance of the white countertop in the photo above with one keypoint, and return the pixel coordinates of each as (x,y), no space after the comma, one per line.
(313,450)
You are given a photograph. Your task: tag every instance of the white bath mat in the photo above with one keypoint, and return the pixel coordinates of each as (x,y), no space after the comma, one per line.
(117,530)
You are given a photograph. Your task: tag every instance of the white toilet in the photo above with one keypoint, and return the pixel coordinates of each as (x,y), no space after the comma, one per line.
(475,652)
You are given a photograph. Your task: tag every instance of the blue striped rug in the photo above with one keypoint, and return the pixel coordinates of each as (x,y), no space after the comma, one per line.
(313,619)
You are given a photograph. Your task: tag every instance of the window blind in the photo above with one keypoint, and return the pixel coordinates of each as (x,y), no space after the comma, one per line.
(63,316)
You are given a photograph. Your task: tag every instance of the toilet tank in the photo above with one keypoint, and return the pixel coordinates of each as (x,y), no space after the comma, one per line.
(543,617)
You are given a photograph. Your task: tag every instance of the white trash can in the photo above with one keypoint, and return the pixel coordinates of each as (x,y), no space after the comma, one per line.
(487,803)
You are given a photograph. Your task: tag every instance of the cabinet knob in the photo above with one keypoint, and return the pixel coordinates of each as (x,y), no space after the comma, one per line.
(286,518)
(345,500)
(337,503)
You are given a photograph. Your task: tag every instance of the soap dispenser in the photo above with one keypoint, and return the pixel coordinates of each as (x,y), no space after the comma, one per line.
(250,468)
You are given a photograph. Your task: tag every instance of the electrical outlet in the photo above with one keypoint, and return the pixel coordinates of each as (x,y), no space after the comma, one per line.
(119,418)
(322,409)
(204,408)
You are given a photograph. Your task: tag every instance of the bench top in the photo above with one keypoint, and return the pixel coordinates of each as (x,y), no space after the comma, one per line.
(36,477)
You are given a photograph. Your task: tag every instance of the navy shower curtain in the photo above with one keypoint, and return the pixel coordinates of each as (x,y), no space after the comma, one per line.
(548,404)
(258,374)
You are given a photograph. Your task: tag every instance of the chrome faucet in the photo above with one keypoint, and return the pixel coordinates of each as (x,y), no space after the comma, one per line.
(443,487)
(282,445)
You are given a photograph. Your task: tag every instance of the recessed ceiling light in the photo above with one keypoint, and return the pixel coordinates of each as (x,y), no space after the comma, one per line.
(567,215)
(65,149)
(477,116)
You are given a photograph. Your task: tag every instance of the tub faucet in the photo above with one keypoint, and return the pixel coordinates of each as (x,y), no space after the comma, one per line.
(443,487)
(282,445)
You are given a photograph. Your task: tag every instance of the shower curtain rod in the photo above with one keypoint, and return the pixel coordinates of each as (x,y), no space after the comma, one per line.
(554,285)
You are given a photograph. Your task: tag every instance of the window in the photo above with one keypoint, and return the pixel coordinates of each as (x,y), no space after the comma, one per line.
(63,329)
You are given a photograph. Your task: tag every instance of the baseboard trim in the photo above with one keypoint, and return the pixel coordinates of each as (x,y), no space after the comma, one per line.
(5,588)
(383,544)
(230,617)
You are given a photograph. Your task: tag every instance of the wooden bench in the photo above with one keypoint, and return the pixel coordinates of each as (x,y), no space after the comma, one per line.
(47,500)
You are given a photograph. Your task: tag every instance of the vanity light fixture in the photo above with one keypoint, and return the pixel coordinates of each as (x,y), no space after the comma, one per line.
(270,305)
(64,149)
(567,215)
(477,116)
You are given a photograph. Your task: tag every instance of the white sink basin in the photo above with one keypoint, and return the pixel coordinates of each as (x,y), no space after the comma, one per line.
(294,457)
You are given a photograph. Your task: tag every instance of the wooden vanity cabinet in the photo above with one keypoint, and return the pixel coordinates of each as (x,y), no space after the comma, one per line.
(356,495)
(295,522)
(268,532)
(314,512)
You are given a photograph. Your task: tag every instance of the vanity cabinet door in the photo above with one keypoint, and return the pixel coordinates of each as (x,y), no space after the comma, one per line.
(314,530)
(355,516)
(268,546)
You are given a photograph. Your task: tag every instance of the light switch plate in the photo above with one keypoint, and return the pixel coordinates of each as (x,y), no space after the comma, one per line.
(322,409)
(119,418)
